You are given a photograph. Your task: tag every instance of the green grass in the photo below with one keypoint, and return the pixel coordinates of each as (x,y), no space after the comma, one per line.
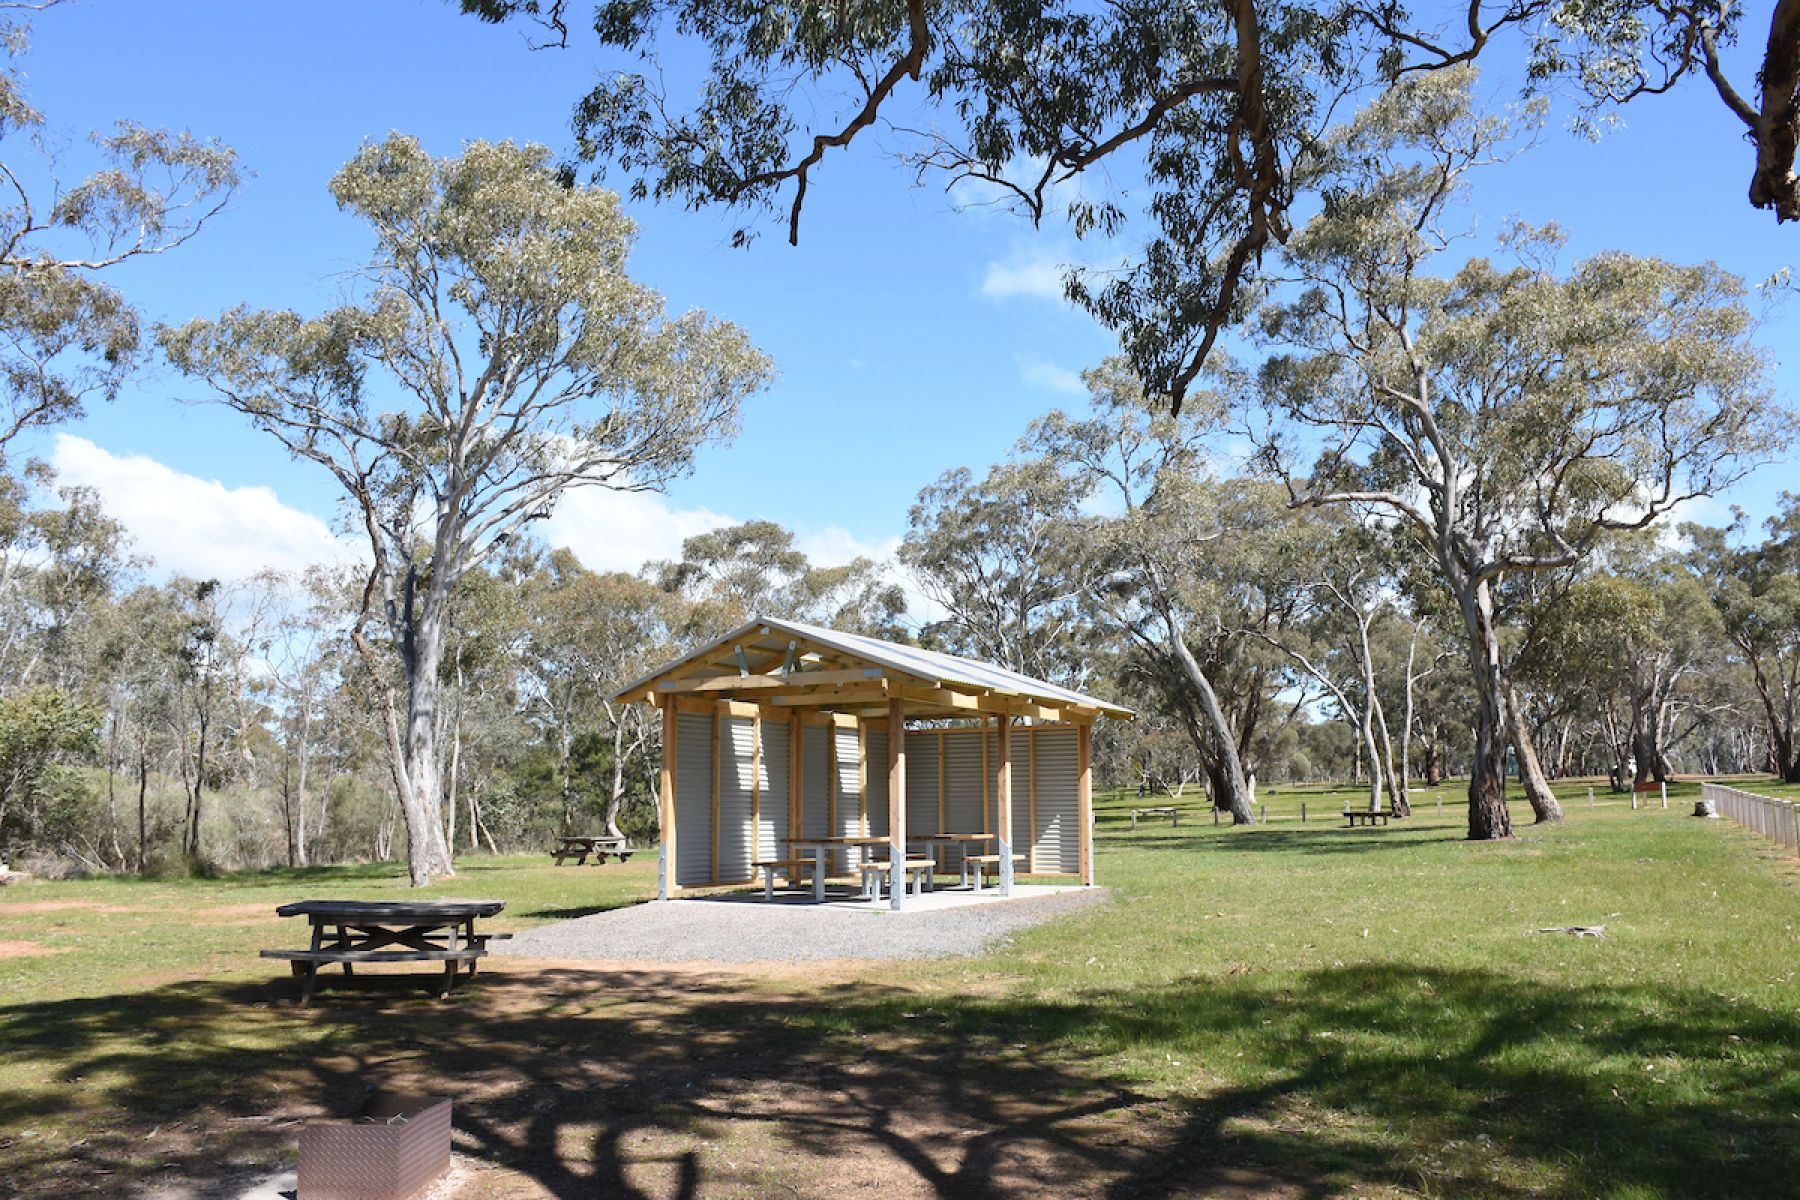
(1289,1009)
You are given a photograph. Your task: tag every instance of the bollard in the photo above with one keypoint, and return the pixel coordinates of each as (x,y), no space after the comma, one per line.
(1590,797)
(1263,810)
(1303,812)
(1440,804)
(1215,816)
(1663,787)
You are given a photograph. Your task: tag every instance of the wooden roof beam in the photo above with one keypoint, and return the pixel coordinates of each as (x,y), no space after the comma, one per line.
(748,683)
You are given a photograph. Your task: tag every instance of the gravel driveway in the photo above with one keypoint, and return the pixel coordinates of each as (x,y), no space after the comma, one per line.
(744,929)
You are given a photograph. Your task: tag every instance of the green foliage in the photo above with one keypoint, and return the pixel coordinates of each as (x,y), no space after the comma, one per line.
(731,574)
(67,336)
(38,728)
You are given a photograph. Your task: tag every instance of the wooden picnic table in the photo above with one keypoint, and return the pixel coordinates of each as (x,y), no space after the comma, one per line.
(967,842)
(348,932)
(820,848)
(579,846)
(1367,816)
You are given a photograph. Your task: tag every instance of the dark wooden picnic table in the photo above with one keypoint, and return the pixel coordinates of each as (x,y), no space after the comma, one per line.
(348,932)
(579,845)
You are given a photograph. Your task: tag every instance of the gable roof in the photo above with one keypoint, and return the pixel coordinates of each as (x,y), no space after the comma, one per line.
(797,648)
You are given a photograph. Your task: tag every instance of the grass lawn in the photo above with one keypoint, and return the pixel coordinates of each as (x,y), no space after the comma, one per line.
(1290,1010)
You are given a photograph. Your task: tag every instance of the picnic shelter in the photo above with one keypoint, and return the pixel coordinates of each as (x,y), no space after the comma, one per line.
(781,732)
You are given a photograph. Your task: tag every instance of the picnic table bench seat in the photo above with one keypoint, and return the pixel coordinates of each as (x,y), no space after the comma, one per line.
(918,872)
(579,847)
(349,932)
(1366,816)
(983,864)
(790,867)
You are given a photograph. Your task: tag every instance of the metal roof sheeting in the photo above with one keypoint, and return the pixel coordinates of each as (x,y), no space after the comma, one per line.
(927,666)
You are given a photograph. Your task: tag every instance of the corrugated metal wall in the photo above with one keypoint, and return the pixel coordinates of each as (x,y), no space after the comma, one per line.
(849,782)
(735,779)
(815,780)
(1056,840)
(921,782)
(1021,787)
(776,771)
(693,799)
(876,779)
(1046,792)
(962,789)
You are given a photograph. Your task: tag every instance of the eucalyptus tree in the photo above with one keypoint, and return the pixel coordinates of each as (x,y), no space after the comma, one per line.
(587,635)
(1176,125)
(1631,639)
(1509,416)
(1155,565)
(67,336)
(1756,588)
(498,356)
(997,557)
(39,728)
(1343,572)
(729,575)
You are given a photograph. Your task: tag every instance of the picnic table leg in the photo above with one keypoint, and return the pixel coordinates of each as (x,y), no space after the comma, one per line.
(308,981)
(768,883)
(819,877)
(449,978)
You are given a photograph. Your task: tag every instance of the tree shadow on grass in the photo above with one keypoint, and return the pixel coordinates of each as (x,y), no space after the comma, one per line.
(584,910)
(667,1083)
(1325,840)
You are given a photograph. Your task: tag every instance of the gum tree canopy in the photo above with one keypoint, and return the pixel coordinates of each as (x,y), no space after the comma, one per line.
(498,356)
(65,335)
(1509,415)
(1211,104)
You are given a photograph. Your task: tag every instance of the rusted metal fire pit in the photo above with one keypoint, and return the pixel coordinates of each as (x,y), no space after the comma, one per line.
(391,1150)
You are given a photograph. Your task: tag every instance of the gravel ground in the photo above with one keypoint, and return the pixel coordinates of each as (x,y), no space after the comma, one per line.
(746,930)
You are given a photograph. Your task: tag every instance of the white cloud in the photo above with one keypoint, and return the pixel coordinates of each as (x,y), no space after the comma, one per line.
(1700,510)
(1048,375)
(1027,272)
(834,546)
(194,526)
(621,531)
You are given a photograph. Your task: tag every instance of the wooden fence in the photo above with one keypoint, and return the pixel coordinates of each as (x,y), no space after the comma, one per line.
(1774,819)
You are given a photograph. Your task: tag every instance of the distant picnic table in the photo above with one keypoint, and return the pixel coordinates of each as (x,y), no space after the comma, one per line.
(1158,810)
(579,846)
(348,932)
(1366,816)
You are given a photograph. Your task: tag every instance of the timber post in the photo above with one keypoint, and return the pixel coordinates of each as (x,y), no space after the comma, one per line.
(665,855)
(896,741)
(1004,804)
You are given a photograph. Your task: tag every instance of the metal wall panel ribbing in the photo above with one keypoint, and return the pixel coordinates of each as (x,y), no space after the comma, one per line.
(693,799)
(1020,747)
(1020,751)
(1056,840)
(1021,763)
(877,777)
(849,790)
(735,851)
(774,781)
(921,783)
(815,781)
(962,786)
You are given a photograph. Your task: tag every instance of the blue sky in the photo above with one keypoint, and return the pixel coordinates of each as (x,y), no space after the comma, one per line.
(910,337)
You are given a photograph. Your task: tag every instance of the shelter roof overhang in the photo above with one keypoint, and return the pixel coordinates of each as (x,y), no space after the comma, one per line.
(782,665)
